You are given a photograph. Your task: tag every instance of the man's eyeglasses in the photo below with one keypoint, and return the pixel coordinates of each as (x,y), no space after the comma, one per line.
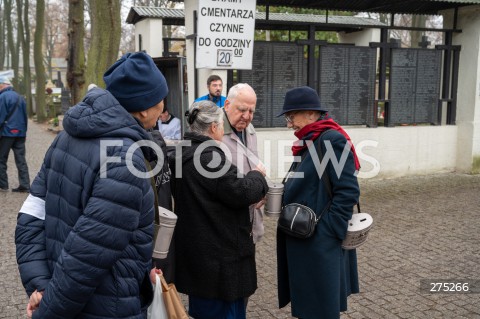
(289,118)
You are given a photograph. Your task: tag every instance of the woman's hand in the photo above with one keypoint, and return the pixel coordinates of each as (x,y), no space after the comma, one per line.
(153,275)
(261,203)
(34,302)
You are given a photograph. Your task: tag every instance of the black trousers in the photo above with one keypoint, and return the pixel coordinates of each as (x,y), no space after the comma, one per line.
(17,145)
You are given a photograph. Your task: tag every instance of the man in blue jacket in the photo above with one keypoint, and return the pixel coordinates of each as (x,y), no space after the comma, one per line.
(215,87)
(84,234)
(13,131)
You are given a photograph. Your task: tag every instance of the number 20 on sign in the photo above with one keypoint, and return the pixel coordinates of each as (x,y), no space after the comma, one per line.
(224,57)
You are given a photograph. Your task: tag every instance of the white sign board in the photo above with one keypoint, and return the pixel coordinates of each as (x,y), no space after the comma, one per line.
(225,32)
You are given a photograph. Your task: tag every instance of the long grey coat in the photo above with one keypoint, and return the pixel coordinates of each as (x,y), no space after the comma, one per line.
(316,274)
(244,161)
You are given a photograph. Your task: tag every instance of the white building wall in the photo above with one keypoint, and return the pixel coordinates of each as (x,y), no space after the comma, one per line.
(384,152)
(468,97)
(360,38)
(151,31)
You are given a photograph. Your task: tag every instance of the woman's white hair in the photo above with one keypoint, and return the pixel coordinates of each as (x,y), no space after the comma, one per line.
(202,114)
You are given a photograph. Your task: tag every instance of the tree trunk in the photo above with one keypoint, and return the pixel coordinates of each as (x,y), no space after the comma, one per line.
(50,33)
(38,58)
(24,39)
(20,88)
(76,51)
(11,44)
(48,52)
(3,25)
(103,52)
(16,66)
(20,40)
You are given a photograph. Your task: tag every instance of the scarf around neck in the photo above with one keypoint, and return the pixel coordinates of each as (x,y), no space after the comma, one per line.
(312,132)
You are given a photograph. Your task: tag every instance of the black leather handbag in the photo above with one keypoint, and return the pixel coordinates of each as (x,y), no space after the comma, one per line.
(297,220)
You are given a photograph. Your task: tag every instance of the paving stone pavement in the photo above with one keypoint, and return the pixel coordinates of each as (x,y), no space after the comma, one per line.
(425,227)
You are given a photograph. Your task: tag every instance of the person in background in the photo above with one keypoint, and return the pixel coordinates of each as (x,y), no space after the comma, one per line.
(215,253)
(84,235)
(315,273)
(215,87)
(13,132)
(240,138)
(169,126)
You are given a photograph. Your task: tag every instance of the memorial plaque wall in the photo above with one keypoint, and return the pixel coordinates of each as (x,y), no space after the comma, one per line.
(414,85)
(277,67)
(347,83)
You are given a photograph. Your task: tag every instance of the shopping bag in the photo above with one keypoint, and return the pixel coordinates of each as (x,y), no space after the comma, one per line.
(157,308)
(173,303)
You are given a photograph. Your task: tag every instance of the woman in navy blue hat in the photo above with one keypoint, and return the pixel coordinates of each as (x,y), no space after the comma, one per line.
(315,274)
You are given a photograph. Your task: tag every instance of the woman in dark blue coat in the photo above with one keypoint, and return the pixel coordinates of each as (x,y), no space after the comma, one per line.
(315,273)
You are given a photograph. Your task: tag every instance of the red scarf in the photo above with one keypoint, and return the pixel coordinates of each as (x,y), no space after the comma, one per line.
(312,132)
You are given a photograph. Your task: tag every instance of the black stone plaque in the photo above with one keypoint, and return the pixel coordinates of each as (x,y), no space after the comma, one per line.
(65,100)
(347,83)
(276,68)
(414,85)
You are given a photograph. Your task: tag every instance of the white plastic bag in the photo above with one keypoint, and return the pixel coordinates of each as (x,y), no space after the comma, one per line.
(157,308)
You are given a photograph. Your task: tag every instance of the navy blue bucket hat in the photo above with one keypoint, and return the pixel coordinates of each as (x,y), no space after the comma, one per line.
(136,82)
(303,98)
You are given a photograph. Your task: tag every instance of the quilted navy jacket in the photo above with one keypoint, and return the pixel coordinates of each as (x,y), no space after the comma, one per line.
(84,235)
(17,123)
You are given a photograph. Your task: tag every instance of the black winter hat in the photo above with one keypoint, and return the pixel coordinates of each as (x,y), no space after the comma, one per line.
(301,99)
